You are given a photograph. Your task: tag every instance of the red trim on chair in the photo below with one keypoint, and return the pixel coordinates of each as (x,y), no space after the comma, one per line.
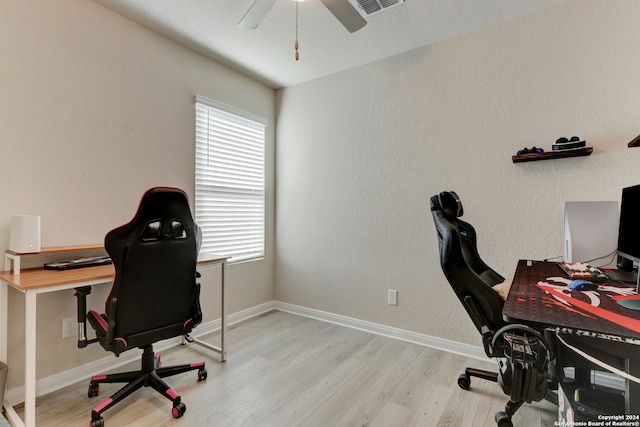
(101,321)
(186,323)
(197,364)
(172,393)
(104,404)
(124,342)
(98,378)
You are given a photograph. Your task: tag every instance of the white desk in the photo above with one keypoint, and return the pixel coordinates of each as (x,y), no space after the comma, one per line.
(36,281)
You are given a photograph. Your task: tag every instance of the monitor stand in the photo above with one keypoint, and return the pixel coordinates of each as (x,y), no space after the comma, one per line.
(632,302)
(623,276)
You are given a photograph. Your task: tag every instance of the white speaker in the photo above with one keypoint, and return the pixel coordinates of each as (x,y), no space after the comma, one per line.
(25,234)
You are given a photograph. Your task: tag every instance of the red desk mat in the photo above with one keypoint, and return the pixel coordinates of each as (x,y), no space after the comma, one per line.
(539,295)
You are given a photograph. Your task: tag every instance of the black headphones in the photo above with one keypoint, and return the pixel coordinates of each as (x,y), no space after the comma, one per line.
(562,139)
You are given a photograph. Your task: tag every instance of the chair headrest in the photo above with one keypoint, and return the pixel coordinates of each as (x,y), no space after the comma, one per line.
(449,203)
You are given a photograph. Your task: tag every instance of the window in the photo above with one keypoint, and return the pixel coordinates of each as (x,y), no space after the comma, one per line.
(229,180)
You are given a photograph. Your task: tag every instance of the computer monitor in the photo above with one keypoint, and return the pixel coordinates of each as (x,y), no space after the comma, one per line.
(629,229)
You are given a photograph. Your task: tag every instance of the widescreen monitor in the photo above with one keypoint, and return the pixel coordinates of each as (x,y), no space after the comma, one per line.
(629,229)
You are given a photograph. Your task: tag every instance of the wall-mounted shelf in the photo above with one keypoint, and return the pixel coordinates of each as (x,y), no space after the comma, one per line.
(586,151)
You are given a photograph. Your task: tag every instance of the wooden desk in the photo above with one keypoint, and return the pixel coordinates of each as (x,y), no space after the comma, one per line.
(36,281)
(538,297)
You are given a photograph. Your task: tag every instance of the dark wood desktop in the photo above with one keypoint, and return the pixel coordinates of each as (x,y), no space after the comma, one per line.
(539,297)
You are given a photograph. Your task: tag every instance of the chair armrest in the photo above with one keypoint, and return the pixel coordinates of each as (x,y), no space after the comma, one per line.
(481,323)
(196,310)
(111,319)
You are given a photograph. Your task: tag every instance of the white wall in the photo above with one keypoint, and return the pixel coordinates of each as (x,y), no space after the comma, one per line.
(95,109)
(359,154)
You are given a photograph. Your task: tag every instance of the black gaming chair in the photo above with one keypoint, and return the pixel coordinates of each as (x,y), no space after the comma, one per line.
(155,294)
(522,353)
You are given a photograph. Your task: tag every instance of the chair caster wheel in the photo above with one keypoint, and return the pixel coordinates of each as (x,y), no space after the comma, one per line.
(94,390)
(179,410)
(202,375)
(97,423)
(503,420)
(464,382)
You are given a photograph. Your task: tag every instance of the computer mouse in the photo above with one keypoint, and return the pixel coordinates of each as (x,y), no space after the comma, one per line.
(582,285)
(631,304)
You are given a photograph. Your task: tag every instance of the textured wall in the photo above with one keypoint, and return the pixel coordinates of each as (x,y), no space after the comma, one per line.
(359,154)
(94,110)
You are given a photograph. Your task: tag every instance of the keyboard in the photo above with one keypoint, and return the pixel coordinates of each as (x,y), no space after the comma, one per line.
(78,263)
(584,271)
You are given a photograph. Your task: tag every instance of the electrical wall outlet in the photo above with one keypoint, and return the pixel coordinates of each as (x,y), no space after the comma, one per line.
(69,327)
(392,297)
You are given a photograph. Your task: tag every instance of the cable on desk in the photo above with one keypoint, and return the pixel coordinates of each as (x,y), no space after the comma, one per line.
(598,361)
(610,255)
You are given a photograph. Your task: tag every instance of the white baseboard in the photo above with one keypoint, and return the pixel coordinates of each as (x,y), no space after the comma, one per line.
(63,379)
(443,344)
(475,352)
(55,382)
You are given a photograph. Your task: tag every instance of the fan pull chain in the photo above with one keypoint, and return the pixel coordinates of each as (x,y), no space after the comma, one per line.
(296,44)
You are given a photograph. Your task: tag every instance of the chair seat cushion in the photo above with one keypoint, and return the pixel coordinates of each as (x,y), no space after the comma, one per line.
(100,323)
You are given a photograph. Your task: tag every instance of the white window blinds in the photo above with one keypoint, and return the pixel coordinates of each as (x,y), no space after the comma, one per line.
(229,181)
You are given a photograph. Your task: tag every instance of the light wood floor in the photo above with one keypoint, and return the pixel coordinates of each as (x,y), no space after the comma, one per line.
(285,370)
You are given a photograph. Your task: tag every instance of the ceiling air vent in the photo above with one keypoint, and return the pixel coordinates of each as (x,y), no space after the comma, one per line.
(370,7)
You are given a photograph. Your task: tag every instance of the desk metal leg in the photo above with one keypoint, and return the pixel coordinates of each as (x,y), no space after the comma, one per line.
(222,350)
(30,360)
(223,315)
(632,388)
(4,318)
(11,414)
(4,329)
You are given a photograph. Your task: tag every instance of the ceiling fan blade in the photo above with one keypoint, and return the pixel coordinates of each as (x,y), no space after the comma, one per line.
(256,14)
(346,14)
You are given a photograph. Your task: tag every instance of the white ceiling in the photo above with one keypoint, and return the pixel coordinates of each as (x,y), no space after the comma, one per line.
(267,53)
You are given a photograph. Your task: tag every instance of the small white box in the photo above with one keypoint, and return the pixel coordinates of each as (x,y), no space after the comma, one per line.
(25,234)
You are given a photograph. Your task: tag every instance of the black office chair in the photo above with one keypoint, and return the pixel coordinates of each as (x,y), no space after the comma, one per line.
(154,296)
(522,352)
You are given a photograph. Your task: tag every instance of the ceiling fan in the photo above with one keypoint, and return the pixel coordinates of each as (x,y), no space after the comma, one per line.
(343,10)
